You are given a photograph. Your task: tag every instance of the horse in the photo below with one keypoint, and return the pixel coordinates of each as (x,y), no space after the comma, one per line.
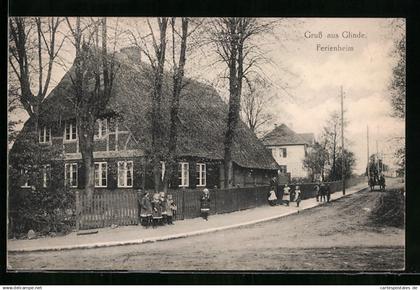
(382,183)
(371,183)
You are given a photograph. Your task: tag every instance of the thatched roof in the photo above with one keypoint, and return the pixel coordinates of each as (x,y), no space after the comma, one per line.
(283,135)
(202,115)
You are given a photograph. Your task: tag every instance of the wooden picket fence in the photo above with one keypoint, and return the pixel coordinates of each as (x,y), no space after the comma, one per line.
(106,208)
(120,207)
(221,200)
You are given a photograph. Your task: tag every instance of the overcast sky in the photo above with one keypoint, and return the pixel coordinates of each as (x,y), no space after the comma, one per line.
(364,74)
(306,81)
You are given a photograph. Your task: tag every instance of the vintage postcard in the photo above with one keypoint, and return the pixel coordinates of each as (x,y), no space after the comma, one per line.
(206,144)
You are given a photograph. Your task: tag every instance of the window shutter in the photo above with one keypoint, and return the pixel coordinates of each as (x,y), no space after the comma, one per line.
(137,173)
(192,175)
(80,175)
(212,175)
(112,175)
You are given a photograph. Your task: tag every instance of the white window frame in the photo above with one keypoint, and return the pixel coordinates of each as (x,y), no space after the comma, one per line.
(43,133)
(102,181)
(201,174)
(184,174)
(72,130)
(102,123)
(73,174)
(122,169)
(46,175)
(163,169)
(282,152)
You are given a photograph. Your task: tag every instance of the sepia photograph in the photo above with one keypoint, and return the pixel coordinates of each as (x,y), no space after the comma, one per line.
(151,144)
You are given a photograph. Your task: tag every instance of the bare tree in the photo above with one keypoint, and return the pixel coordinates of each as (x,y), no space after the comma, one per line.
(94,74)
(331,133)
(316,160)
(156,57)
(330,138)
(13,106)
(177,77)
(255,100)
(33,47)
(233,39)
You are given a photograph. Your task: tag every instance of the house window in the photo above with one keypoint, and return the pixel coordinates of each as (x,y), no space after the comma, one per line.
(201,174)
(101,128)
(183,170)
(45,135)
(46,175)
(25,174)
(100,174)
(283,169)
(70,131)
(125,173)
(283,152)
(70,174)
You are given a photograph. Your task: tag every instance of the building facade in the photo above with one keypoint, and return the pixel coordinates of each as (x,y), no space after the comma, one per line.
(123,137)
(289,149)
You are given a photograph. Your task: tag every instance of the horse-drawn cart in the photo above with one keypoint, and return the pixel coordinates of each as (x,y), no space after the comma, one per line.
(377,181)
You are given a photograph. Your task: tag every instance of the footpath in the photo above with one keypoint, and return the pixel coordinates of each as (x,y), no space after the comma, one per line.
(131,235)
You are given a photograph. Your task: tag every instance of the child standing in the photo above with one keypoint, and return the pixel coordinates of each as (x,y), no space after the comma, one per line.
(272,199)
(298,195)
(162,198)
(170,209)
(205,204)
(286,191)
(146,210)
(317,191)
(157,210)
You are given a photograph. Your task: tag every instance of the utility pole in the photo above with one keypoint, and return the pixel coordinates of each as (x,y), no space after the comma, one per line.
(367,142)
(342,143)
(377,156)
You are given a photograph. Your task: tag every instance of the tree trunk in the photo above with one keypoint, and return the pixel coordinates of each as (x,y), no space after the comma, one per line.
(334,174)
(157,144)
(178,77)
(89,175)
(233,114)
(85,128)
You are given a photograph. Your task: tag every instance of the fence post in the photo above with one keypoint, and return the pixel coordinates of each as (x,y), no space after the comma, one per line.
(183,203)
(77,211)
(215,201)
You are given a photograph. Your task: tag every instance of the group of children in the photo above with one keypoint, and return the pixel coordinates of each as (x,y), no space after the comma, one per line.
(289,195)
(157,209)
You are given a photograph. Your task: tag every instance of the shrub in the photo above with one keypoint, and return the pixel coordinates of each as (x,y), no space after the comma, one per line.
(42,211)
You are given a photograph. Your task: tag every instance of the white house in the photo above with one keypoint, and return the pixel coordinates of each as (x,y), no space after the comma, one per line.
(289,149)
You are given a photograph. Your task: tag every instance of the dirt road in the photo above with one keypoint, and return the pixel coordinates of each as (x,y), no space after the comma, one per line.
(339,236)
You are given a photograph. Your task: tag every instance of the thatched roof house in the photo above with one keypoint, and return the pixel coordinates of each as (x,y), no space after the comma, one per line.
(202,123)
